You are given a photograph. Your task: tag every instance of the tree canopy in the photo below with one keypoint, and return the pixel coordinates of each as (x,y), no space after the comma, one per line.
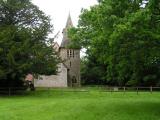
(122,38)
(24,44)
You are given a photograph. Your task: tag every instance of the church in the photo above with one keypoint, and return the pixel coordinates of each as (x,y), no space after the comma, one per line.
(69,69)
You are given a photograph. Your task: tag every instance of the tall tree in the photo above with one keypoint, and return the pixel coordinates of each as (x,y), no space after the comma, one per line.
(23,42)
(123,36)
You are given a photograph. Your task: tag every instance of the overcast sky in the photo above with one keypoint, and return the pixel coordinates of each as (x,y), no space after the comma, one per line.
(59,10)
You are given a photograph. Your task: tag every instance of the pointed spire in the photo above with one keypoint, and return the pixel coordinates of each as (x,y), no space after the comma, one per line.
(69,21)
(65,40)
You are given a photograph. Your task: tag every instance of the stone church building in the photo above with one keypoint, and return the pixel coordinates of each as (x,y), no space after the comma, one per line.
(69,69)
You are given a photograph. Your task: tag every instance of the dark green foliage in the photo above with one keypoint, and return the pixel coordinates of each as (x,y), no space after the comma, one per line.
(92,72)
(124,37)
(23,37)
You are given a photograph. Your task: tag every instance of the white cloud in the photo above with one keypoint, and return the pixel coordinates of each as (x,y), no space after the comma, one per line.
(59,10)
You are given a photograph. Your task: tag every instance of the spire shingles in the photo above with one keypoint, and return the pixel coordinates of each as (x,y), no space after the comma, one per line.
(65,40)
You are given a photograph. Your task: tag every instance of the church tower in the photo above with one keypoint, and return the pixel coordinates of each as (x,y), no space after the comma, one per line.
(70,57)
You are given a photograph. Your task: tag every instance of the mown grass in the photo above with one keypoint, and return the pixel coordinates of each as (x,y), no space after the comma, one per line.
(58,104)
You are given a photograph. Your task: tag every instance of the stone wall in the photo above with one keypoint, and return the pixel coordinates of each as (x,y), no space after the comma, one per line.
(59,80)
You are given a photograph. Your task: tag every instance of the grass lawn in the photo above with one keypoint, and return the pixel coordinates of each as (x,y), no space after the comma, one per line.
(93,105)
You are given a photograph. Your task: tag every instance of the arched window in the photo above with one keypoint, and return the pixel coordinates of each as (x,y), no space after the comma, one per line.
(70,53)
(67,53)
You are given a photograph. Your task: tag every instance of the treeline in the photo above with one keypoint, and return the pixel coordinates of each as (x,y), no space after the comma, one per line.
(122,42)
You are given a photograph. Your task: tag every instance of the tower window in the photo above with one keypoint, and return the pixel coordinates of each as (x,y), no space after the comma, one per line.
(70,53)
(67,53)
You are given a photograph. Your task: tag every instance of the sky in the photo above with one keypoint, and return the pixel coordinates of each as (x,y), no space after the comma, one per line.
(59,10)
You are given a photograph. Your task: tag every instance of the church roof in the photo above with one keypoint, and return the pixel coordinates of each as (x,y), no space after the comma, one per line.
(65,40)
(55,46)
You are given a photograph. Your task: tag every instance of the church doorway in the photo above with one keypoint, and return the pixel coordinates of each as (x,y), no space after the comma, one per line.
(74,81)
